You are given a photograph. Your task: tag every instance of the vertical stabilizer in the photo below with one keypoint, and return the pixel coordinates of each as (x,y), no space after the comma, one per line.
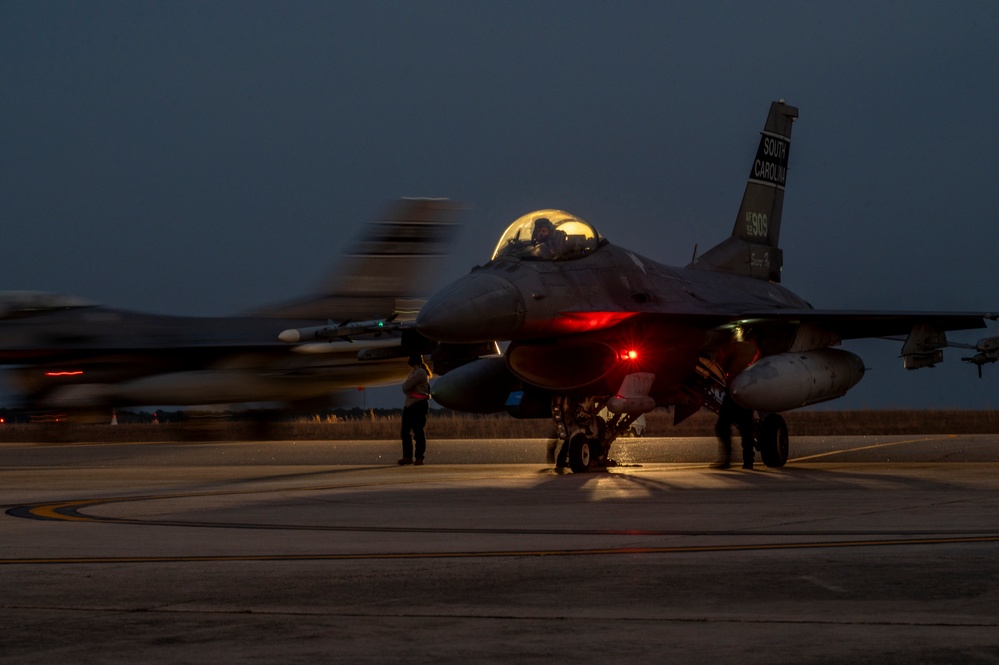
(388,269)
(396,254)
(753,250)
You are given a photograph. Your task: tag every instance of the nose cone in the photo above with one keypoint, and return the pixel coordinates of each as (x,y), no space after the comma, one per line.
(476,308)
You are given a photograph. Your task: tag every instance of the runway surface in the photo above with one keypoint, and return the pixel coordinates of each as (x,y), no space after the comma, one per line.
(861,549)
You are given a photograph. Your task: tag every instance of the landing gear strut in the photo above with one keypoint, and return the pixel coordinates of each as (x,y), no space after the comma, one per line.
(586,437)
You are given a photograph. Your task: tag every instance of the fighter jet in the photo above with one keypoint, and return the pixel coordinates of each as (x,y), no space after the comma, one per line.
(66,354)
(594,326)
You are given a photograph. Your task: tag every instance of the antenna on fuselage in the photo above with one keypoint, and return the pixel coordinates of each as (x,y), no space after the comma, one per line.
(693,259)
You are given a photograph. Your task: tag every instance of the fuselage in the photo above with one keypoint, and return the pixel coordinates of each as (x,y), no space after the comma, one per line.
(580,325)
(512,299)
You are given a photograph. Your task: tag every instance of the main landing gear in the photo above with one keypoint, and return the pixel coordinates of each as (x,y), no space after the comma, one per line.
(772,440)
(586,437)
(768,433)
(768,430)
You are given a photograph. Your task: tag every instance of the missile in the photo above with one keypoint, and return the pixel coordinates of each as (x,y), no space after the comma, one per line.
(367,349)
(333,331)
(790,380)
(988,352)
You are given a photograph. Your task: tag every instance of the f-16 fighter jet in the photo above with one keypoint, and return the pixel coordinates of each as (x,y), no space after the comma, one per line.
(593,326)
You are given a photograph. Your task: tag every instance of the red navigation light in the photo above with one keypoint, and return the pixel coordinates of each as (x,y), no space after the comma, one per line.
(630,354)
(73,373)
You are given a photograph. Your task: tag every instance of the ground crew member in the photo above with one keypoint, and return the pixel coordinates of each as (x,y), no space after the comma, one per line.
(416,387)
(733,414)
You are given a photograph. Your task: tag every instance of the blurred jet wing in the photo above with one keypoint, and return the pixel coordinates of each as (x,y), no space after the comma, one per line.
(16,304)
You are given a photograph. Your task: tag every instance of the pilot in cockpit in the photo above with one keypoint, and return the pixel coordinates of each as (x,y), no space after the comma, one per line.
(546,238)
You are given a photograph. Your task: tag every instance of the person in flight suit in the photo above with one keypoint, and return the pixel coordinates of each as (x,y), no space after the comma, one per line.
(546,238)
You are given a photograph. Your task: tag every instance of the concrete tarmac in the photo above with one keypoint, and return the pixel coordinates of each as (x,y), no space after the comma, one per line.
(861,550)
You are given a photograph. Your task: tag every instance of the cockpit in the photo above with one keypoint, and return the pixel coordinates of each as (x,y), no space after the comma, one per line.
(548,235)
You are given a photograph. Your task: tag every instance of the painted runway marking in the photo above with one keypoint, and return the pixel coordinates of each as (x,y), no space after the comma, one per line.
(823,585)
(503,554)
(873,447)
(70,511)
(74,511)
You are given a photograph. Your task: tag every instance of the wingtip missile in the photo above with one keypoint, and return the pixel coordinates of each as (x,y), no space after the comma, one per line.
(343,331)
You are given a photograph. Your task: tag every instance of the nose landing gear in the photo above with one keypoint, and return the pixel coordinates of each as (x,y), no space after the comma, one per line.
(584,452)
(586,437)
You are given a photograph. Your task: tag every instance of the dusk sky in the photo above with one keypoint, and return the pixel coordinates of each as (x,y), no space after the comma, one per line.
(207,157)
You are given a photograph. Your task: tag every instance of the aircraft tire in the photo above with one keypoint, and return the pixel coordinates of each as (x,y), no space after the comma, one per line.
(581,453)
(773,440)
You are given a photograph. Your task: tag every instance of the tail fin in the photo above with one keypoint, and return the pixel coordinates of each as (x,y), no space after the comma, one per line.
(389,265)
(752,249)
(395,254)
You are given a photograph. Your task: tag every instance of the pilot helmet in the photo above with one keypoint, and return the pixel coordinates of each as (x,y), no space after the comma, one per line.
(542,223)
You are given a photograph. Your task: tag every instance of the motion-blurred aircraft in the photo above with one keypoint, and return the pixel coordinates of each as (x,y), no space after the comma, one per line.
(66,354)
(594,326)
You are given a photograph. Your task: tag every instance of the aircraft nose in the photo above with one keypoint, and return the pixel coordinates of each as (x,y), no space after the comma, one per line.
(476,308)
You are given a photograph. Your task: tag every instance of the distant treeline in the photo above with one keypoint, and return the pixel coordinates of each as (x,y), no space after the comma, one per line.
(192,415)
(345,424)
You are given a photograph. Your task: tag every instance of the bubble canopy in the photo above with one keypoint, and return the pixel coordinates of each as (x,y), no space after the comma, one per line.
(548,235)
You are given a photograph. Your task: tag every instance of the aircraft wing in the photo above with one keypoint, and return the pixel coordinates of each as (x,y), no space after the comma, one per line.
(845,324)
(857,324)
(781,330)
(923,333)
